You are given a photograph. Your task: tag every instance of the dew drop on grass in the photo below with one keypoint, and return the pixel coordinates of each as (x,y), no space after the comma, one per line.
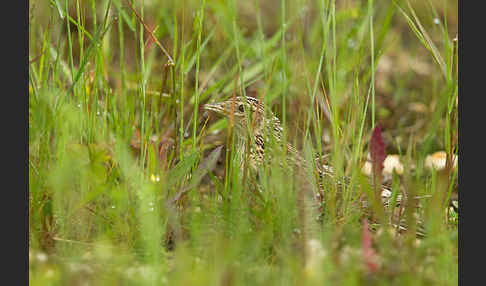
(41,257)
(436,21)
(351,43)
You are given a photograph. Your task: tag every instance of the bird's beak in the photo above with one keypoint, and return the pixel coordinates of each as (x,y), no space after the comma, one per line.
(216,107)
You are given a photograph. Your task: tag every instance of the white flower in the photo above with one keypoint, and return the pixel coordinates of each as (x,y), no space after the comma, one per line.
(438,160)
(392,162)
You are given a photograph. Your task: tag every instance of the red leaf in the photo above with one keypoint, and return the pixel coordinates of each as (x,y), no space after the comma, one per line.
(377,152)
(369,254)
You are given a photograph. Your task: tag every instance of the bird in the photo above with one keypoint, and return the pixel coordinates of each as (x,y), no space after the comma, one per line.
(262,128)
(254,130)
(255,127)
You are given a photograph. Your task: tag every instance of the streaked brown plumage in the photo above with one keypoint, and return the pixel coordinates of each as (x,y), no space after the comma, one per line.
(250,118)
(263,126)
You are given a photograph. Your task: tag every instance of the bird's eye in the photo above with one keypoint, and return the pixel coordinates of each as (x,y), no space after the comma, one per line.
(240,108)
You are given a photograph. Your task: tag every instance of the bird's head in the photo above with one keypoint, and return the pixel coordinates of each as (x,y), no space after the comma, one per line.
(246,112)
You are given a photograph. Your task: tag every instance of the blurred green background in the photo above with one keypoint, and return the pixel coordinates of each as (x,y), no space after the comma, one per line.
(116,131)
